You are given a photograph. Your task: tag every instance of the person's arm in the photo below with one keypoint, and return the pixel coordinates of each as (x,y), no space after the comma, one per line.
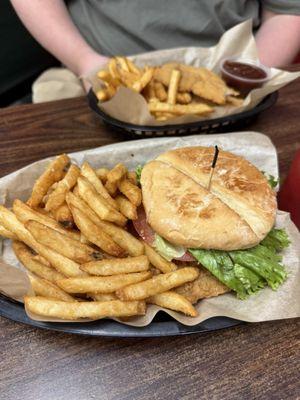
(278,39)
(51,25)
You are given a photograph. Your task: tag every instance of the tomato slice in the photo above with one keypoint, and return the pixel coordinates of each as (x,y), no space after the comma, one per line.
(148,235)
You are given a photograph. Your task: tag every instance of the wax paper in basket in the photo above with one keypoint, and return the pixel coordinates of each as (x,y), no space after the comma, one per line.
(129,106)
(257,148)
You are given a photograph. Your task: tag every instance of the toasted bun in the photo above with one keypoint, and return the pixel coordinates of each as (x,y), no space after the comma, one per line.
(237,212)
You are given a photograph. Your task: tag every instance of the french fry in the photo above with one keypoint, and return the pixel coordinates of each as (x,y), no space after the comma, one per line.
(122,62)
(53,173)
(158,261)
(143,81)
(106,77)
(102,174)
(85,309)
(57,197)
(62,244)
(160,91)
(103,284)
(173,301)
(63,216)
(131,175)
(6,233)
(102,297)
(113,69)
(25,213)
(149,91)
(173,86)
(123,238)
(132,67)
(62,264)
(42,287)
(126,208)
(33,265)
(42,260)
(180,109)
(115,266)
(183,98)
(111,187)
(97,202)
(157,284)
(131,191)
(96,235)
(88,172)
(117,173)
(102,95)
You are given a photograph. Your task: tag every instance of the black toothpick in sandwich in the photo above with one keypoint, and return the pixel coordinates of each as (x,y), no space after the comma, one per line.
(212,168)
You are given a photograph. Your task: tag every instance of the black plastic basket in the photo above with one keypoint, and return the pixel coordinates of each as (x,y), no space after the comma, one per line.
(217,125)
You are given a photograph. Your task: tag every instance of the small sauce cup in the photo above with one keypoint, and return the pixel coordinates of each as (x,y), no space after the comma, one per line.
(243,74)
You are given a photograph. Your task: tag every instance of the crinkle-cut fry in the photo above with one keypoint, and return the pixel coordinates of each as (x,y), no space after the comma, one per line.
(115,266)
(132,67)
(88,172)
(173,86)
(180,109)
(24,213)
(123,238)
(183,98)
(53,173)
(102,174)
(101,284)
(131,191)
(102,297)
(173,301)
(143,81)
(122,63)
(33,264)
(117,173)
(62,264)
(126,207)
(63,216)
(42,287)
(57,197)
(84,309)
(160,91)
(157,284)
(158,261)
(96,235)
(62,244)
(6,233)
(131,175)
(98,203)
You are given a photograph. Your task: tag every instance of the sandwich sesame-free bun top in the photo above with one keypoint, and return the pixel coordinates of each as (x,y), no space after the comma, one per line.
(237,212)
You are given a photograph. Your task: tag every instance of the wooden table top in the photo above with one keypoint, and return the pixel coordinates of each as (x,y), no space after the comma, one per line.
(252,361)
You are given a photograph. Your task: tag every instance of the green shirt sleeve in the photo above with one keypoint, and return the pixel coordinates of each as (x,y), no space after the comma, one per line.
(291,7)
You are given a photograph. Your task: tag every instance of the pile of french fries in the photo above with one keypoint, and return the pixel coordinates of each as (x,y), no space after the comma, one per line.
(170,90)
(71,235)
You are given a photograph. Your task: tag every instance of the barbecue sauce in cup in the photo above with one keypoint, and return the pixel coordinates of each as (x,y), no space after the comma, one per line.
(243,76)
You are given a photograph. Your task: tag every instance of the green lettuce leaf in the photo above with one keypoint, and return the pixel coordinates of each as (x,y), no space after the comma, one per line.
(273,182)
(138,172)
(248,271)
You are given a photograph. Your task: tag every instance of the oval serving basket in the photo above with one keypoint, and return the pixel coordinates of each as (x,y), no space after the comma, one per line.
(217,125)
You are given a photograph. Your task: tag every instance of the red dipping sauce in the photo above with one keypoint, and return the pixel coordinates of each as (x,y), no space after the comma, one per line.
(244,76)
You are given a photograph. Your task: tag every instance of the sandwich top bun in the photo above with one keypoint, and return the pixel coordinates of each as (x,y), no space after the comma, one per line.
(237,212)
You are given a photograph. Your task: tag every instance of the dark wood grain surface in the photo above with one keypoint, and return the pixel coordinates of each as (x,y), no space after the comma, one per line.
(253,361)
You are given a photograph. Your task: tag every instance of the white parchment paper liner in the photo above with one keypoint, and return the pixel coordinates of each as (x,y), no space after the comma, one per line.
(131,107)
(257,148)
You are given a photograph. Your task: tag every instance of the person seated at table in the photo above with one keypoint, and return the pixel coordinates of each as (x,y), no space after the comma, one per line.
(81,34)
